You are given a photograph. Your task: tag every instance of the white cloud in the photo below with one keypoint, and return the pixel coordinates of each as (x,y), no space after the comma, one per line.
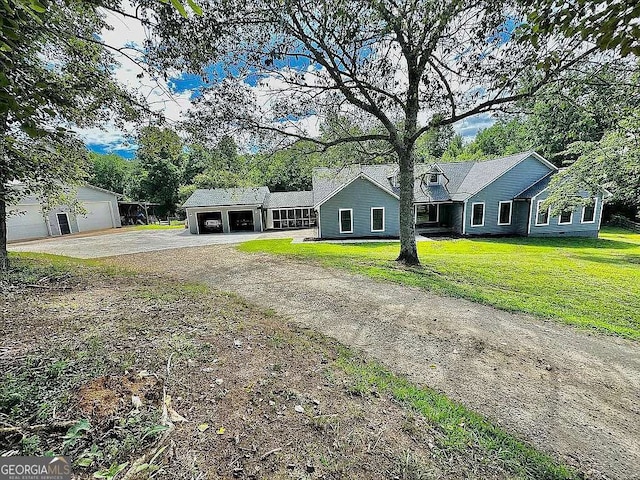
(127,34)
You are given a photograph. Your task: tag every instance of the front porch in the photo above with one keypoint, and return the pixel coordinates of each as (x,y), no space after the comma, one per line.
(437,218)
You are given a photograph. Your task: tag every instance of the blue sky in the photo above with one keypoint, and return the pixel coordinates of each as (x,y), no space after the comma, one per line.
(184,88)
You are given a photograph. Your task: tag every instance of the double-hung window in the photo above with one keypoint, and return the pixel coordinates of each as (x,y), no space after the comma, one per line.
(377,219)
(345,218)
(477,214)
(504,212)
(542,214)
(589,212)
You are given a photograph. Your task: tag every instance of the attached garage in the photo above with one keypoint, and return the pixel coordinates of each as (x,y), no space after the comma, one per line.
(26,221)
(98,217)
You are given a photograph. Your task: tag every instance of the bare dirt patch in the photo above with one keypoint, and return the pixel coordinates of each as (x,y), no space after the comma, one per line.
(571,394)
(107,395)
(259,398)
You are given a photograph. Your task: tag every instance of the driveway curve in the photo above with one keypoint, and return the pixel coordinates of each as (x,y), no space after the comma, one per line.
(570,393)
(573,394)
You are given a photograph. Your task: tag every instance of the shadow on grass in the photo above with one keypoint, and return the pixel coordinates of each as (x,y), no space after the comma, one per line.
(560,242)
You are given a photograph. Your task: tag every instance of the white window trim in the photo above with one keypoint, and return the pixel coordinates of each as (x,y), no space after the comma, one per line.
(560,222)
(437,179)
(383,222)
(510,202)
(538,214)
(595,209)
(484,211)
(340,210)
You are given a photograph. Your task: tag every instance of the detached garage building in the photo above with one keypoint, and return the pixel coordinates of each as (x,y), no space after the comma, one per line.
(28,220)
(227,210)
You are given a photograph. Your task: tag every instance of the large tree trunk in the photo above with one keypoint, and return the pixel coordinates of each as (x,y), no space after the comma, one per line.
(4,258)
(408,251)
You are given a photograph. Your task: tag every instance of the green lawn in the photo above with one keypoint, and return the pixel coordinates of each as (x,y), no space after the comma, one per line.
(592,283)
(155,226)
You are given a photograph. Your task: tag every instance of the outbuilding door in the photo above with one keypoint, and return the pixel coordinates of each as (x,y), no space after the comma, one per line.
(63,223)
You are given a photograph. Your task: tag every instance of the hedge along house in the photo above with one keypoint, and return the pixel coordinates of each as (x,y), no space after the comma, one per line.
(502,196)
(228,210)
(30,219)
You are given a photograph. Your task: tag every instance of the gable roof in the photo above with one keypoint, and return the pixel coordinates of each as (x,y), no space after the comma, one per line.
(288,200)
(461,179)
(329,181)
(218,197)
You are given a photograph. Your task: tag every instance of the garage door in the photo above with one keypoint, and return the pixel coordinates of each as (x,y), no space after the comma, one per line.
(98,216)
(29,224)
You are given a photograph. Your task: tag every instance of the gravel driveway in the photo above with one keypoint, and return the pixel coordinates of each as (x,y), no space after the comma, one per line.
(125,241)
(568,392)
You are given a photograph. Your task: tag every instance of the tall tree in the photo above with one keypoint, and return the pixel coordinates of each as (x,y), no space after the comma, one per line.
(160,155)
(408,67)
(55,74)
(109,171)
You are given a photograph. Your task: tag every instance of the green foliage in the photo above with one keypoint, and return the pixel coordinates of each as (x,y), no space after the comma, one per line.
(612,162)
(572,280)
(157,173)
(606,23)
(109,171)
(433,144)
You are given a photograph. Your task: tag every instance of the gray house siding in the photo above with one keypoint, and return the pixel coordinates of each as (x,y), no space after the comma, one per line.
(520,220)
(504,188)
(575,229)
(360,196)
(456,210)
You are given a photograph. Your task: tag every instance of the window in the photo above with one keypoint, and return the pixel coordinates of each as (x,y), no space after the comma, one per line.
(426,214)
(542,216)
(504,213)
(477,215)
(346,220)
(296,218)
(589,212)
(433,178)
(377,219)
(566,217)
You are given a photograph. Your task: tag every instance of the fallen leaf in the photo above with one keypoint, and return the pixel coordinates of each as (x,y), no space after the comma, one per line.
(220,431)
(203,427)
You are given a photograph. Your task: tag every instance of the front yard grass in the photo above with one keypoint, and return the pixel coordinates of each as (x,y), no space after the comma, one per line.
(102,365)
(592,283)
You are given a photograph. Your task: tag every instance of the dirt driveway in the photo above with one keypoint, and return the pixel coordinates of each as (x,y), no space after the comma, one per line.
(568,392)
(571,394)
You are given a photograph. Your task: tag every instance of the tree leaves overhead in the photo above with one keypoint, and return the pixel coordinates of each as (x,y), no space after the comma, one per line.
(611,24)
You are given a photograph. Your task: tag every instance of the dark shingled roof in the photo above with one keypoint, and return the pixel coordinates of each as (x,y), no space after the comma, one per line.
(218,197)
(288,200)
(462,179)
